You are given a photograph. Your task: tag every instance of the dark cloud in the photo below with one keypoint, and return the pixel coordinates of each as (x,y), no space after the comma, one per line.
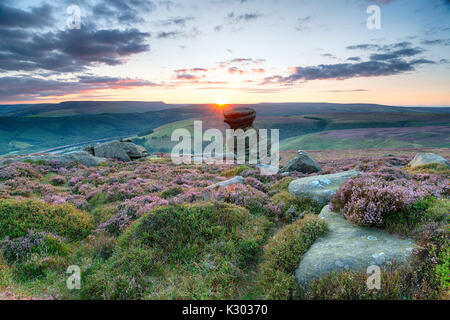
(442,42)
(176,21)
(17,18)
(408,52)
(353,59)
(68,50)
(382,48)
(127,12)
(233,19)
(192,33)
(364,46)
(379,64)
(168,34)
(23,88)
(243,17)
(328,55)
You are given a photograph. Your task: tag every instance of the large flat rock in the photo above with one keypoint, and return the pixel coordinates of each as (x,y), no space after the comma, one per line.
(427,158)
(320,188)
(349,247)
(81,157)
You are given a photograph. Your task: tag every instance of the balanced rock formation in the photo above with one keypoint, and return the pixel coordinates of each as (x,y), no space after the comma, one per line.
(427,158)
(242,118)
(320,188)
(303,162)
(239,118)
(123,150)
(349,247)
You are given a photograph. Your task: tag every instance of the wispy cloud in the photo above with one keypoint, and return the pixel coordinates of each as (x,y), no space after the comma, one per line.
(24,87)
(379,64)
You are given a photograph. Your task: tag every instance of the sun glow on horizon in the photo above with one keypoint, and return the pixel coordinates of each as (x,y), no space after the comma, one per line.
(221,103)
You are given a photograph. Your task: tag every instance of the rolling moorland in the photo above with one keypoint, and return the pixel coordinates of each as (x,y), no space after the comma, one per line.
(314,126)
(149,229)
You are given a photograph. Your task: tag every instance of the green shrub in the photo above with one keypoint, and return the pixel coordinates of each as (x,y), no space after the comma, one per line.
(431,168)
(281,185)
(198,251)
(228,173)
(35,162)
(397,283)
(17,217)
(38,265)
(282,254)
(301,204)
(443,269)
(98,199)
(171,192)
(102,213)
(437,210)
(241,169)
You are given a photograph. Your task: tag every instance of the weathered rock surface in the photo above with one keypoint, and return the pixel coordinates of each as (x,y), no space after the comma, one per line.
(320,188)
(267,170)
(427,158)
(303,162)
(119,150)
(81,157)
(134,151)
(235,180)
(239,118)
(349,247)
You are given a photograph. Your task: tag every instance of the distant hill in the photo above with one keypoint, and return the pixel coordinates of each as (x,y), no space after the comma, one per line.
(73,108)
(33,128)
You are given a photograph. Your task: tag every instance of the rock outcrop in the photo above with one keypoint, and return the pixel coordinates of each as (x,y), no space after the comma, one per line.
(320,188)
(427,158)
(81,157)
(303,162)
(239,118)
(235,180)
(123,150)
(349,247)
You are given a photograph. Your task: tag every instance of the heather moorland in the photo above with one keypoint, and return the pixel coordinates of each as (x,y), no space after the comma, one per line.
(149,229)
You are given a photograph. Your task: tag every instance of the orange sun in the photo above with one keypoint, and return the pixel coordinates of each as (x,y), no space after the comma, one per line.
(220,103)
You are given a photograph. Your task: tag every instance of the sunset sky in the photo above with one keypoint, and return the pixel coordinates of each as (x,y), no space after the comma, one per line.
(229,51)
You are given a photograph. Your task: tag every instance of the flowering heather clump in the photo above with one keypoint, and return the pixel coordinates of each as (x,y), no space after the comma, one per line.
(135,207)
(75,181)
(188,196)
(255,183)
(57,180)
(246,196)
(116,224)
(371,198)
(20,249)
(129,210)
(19,169)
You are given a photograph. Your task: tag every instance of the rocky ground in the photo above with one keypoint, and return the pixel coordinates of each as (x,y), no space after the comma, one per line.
(138,227)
